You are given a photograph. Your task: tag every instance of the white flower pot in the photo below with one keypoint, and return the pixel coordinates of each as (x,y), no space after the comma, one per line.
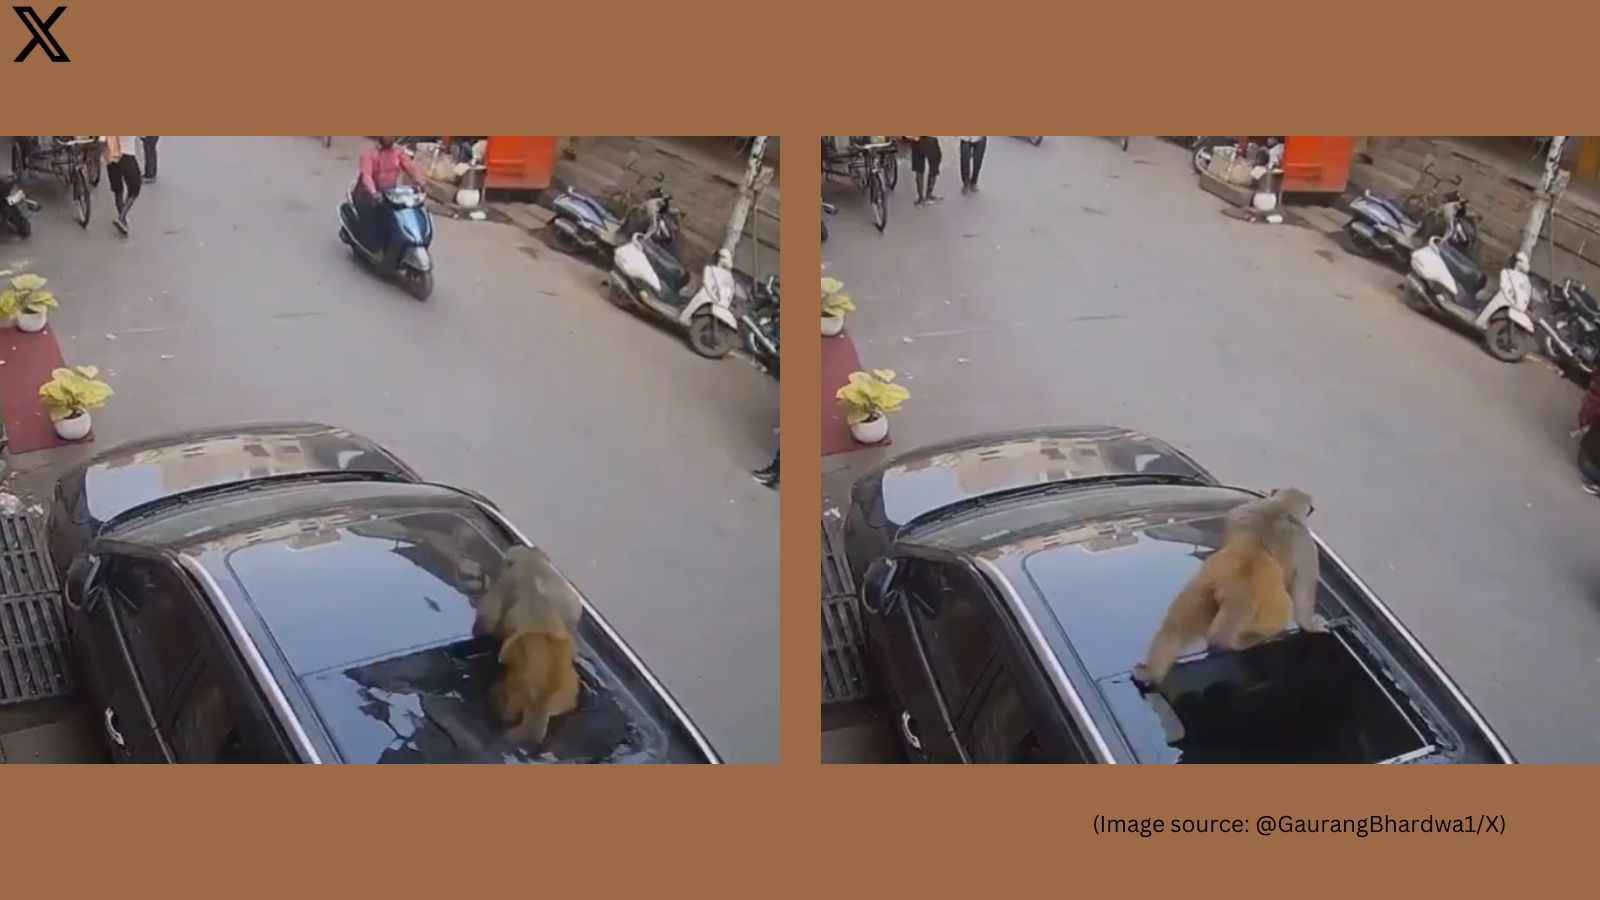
(32,323)
(73,429)
(832,325)
(872,431)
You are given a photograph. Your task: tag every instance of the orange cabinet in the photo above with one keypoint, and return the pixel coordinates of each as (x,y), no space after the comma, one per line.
(1318,165)
(519,163)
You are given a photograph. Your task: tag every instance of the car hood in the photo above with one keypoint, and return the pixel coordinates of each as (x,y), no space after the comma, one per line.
(933,477)
(132,475)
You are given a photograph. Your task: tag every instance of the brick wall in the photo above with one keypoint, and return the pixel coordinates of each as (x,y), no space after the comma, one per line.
(702,175)
(1500,192)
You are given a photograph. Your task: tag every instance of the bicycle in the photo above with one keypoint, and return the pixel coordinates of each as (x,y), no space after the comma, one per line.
(75,161)
(865,164)
(1417,203)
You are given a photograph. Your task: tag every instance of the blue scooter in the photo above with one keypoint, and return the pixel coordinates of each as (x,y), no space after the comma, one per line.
(407,231)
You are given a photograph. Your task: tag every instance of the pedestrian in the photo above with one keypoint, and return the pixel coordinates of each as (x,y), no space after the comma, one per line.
(150,158)
(925,159)
(122,170)
(972,150)
(1589,445)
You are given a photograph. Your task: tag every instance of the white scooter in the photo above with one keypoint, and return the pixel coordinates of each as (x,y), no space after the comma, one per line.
(1445,280)
(646,275)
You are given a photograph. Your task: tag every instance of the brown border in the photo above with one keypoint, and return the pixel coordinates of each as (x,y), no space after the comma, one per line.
(221,68)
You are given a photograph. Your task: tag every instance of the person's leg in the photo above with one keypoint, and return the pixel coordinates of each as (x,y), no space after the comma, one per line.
(150,158)
(114,176)
(935,156)
(966,166)
(979,147)
(769,475)
(919,163)
(130,177)
(1589,461)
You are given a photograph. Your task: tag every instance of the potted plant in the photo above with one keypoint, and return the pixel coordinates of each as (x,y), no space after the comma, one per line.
(27,303)
(69,395)
(866,398)
(835,303)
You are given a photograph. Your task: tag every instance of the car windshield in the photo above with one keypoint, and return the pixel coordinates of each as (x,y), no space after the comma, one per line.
(1296,698)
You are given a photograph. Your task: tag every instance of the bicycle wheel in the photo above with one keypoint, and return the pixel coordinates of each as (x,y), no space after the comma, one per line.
(79,182)
(95,166)
(879,195)
(891,169)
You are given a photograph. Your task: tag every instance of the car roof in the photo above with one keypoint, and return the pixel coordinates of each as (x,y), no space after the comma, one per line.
(1104,561)
(339,572)
(326,576)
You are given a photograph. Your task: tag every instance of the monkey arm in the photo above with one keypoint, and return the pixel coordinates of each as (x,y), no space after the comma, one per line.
(1304,589)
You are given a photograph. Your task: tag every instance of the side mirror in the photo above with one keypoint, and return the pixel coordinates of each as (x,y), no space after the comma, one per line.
(82,584)
(878,594)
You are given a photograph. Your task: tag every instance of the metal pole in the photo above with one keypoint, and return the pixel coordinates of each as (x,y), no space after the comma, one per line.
(1553,183)
(754,172)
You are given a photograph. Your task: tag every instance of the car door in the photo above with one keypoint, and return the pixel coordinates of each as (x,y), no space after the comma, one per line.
(119,708)
(151,608)
(935,648)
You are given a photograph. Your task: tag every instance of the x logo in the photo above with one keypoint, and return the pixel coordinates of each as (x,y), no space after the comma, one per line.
(40,29)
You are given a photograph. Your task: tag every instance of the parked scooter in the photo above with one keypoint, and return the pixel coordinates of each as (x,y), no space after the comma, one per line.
(1379,225)
(1444,280)
(646,275)
(582,223)
(409,232)
(16,205)
(758,324)
(1569,333)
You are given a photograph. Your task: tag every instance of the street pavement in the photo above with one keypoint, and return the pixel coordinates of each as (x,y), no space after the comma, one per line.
(603,437)
(1088,285)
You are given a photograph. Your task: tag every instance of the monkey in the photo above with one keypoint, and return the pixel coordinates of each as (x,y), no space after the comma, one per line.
(1290,543)
(1263,575)
(534,612)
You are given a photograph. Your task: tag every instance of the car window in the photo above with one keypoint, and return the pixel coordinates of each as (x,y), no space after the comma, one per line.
(946,606)
(206,727)
(1002,730)
(153,618)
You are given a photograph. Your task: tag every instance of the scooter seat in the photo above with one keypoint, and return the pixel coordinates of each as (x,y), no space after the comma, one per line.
(1462,268)
(594,208)
(1583,300)
(1393,209)
(674,278)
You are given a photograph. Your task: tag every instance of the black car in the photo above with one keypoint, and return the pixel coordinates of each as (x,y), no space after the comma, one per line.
(294,593)
(1010,583)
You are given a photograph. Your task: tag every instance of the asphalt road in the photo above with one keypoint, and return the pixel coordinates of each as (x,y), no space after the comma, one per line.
(1088,285)
(602,436)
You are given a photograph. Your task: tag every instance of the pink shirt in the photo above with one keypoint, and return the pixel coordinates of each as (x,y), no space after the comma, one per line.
(381,168)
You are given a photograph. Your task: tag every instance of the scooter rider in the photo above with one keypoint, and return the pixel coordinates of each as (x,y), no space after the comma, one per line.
(381,168)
